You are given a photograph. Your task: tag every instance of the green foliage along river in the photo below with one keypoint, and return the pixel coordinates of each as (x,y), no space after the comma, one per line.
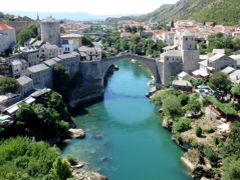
(125,140)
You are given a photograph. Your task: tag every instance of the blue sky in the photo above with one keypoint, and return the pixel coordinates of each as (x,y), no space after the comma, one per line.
(96,7)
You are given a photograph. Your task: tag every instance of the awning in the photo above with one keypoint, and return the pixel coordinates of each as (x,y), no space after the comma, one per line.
(200,73)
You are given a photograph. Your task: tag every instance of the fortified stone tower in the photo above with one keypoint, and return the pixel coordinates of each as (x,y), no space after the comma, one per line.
(50,31)
(190,53)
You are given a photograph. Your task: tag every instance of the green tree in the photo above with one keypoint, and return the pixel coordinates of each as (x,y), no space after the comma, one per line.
(184,98)
(61,169)
(25,159)
(30,32)
(172,106)
(232,144)
(236,89)
(47,119)
(61,80)
(231,167)
(198,131)
(72,160)
(86,41)
(211,155)
(8,85)
(181,125)
(194,104)
(26,114)
(196,82)
(219,80)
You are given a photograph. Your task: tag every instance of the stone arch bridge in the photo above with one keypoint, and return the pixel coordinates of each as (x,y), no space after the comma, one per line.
(94,73)
(149,62)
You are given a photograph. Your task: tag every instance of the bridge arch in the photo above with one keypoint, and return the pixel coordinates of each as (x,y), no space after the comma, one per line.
(149,62)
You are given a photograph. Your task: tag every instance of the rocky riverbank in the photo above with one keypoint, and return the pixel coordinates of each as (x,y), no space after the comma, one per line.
(83,174)
(200,145)
(81,171)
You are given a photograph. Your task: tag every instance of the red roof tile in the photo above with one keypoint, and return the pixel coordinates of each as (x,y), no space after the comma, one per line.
(5,27)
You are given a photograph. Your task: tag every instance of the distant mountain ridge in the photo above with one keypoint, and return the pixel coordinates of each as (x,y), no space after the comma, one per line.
(225,12)
(78,16)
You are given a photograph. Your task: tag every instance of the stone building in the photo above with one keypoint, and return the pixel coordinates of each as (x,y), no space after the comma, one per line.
(7,37)
(48,51)
(182,56)
(90,53)
(165,36)
(50,63)
(215,61)
(31,55)
(69,61)
(19,67)
(41,75)
(235,76)
(71,42)
(26,85)
(50,31)
(5,67)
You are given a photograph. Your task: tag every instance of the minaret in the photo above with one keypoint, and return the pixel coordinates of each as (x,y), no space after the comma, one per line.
(37,18)
(38,24)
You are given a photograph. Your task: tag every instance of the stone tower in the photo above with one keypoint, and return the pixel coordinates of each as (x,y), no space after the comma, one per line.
(190,53)
(50,31)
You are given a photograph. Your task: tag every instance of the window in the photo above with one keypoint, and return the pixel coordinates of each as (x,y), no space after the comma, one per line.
(186,39)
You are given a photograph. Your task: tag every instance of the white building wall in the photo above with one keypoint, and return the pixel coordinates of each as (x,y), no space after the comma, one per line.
(8,38)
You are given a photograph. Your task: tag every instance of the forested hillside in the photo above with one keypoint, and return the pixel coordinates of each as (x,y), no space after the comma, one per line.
(225,12)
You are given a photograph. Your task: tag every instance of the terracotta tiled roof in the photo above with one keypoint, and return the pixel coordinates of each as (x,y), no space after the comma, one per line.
(5,27)
(236,32)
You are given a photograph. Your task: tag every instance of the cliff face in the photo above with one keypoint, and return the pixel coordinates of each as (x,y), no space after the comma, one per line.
(92,87)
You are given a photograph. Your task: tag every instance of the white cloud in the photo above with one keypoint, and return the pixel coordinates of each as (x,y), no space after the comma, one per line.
(90,6)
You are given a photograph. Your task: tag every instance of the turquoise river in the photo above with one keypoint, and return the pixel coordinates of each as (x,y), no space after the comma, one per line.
(125,140)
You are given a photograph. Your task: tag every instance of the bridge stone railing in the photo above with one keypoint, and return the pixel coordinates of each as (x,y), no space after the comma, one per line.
(129,56)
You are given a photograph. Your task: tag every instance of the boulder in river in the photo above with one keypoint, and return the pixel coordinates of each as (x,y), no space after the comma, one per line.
(79,165)
(66,141)
(76,133)
(80,174)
